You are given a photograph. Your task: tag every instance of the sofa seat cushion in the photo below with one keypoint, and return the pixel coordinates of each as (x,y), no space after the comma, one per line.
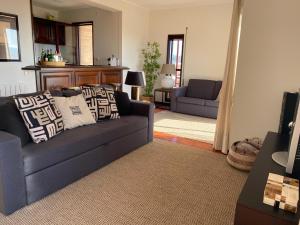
(211,103)
(203,89)
(77,141)
(194,101)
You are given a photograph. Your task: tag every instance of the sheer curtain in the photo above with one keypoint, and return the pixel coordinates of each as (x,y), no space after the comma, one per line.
(221,142)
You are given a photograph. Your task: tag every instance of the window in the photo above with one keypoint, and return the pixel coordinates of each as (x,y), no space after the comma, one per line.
(85,53)
(175,55)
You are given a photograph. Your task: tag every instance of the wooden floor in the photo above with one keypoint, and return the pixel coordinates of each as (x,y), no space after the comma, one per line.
(182,140)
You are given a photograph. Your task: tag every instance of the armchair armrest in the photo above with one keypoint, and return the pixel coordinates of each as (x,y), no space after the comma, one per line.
(177,92)
(12,178)
(144,109)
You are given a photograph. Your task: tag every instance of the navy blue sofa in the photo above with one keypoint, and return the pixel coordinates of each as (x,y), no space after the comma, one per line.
(34,171)
(199,98)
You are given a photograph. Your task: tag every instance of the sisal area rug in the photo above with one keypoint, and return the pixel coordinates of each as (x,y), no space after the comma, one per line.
(160,183)
(187,126)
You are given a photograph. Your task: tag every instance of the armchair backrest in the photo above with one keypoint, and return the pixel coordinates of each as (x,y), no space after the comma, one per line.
(204,89)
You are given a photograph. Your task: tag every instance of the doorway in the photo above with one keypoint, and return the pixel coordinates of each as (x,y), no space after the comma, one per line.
(84,43)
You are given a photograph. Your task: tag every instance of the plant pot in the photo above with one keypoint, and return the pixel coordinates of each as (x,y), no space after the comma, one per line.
(147,98)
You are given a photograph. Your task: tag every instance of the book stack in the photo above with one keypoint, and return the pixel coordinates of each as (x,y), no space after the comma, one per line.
(282,192)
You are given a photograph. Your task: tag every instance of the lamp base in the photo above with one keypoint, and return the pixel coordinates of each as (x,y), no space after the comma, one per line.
(135,93)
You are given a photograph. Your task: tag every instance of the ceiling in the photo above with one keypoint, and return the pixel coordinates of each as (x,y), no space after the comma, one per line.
(163,4)
(150,4)
(60,4)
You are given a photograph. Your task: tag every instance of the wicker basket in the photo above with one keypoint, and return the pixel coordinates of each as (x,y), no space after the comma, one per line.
(242,154)
(53,64)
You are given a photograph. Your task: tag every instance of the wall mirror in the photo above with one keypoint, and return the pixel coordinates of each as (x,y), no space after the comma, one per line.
(9,38)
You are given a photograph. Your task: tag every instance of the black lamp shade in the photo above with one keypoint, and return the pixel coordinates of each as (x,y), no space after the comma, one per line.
(135,79)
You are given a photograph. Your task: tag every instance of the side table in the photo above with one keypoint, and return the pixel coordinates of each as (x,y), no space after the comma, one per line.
(162,98)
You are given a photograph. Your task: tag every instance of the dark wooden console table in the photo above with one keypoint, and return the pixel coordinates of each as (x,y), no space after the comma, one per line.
(72,75)
(250,209)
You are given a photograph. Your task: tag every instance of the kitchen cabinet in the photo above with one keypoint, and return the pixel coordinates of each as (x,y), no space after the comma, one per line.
(49,32)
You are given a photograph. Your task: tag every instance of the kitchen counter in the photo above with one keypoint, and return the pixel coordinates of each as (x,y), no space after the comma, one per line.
(74,66)
(48,78)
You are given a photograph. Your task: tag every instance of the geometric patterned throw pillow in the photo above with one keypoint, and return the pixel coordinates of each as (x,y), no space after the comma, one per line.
(41,116)
(89,95)
(101,101)
(107,106)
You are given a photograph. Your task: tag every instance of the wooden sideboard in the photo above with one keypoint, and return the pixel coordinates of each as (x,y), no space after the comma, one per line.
(250,208)
(48,78)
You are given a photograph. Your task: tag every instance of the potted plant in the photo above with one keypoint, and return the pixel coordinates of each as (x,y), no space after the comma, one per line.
(151,67)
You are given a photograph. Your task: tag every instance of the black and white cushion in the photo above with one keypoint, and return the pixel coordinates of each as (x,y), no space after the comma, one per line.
(89,95)
(107,106)
(101,101)
(41,116)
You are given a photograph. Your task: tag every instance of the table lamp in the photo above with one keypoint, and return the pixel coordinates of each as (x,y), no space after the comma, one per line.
(135,80)
(168,70)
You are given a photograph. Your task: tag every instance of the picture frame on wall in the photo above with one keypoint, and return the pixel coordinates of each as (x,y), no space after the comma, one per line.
(9,38)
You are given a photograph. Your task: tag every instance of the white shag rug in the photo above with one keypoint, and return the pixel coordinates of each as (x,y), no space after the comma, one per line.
(187,126)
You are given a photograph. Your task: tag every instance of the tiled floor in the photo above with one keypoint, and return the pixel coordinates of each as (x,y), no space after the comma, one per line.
(182,140)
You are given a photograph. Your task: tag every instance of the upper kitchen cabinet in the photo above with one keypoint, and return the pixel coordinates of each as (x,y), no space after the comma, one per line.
(44,31)
(49,32)
(60,33)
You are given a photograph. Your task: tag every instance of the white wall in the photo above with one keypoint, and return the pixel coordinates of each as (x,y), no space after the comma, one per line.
(10,72)
(135,31)
(207,38)
(106,30)
(268,65)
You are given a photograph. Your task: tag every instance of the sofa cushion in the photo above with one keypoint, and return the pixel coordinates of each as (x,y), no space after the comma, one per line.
(41,116)
(101,101)
(211,103)
(74,111)
(78,141)
(217,89)
(12,122)
(123,103)
(66,92)
(203,89)
(194,101)
(107,106)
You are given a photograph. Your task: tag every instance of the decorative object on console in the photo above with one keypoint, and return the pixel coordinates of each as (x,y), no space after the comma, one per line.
(290,159)
(9,38)
(135,80)
(101,102)
(168,80)
(113,61)
(74,110)
(282,192)
(41,116)
(289,104)
(242,154)
(151,66)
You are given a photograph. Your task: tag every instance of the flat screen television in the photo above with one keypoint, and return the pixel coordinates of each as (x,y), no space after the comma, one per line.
(291,158)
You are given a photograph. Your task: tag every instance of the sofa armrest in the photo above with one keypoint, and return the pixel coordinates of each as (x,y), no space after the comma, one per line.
(175,93)
(144,109)
(12,178)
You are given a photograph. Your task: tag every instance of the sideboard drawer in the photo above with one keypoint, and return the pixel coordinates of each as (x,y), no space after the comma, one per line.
(109,77)
(87,77)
